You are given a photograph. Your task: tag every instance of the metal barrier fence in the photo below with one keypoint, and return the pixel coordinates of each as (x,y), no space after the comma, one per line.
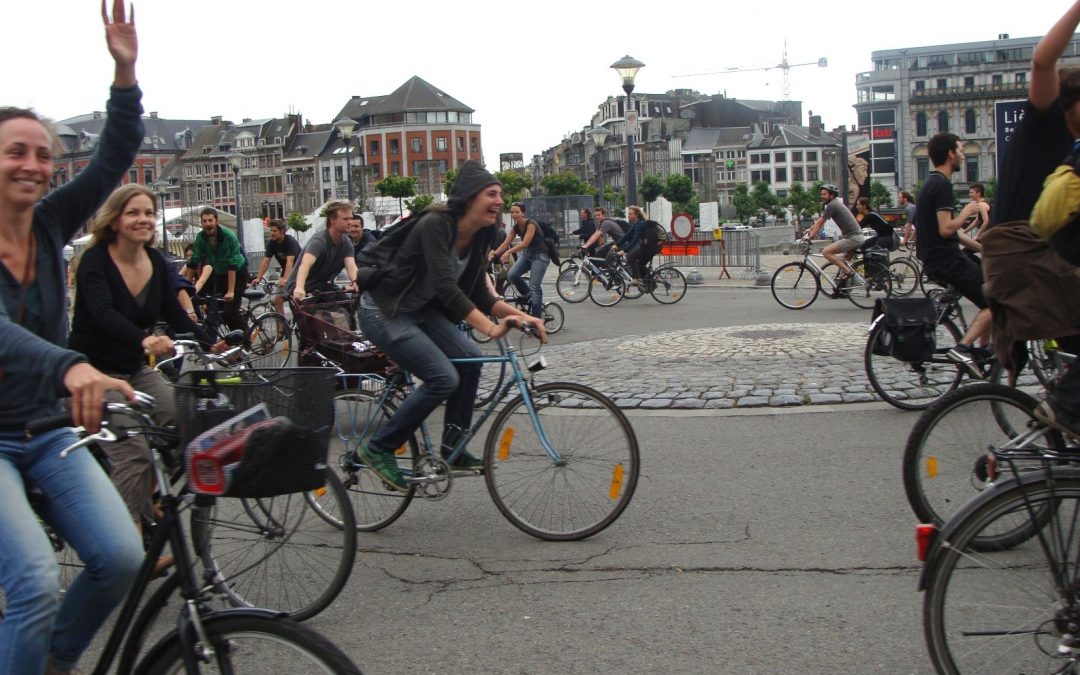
(738,250)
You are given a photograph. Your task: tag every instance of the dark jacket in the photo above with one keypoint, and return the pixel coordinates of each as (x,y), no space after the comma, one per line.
(429,249)
(32,366)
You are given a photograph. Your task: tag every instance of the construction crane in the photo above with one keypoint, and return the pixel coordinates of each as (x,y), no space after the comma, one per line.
(784,65)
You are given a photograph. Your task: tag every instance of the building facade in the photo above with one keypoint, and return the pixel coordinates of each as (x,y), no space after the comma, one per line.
(916,92)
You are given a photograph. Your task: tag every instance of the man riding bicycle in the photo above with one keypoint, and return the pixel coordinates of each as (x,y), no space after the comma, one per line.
(851,236)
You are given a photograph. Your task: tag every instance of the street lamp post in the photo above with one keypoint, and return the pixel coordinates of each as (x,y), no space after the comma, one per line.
(159,187)
(627,68)
(236,159)
(346,126)
(599,135)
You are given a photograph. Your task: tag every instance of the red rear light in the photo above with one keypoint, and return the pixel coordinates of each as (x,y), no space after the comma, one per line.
(924,539)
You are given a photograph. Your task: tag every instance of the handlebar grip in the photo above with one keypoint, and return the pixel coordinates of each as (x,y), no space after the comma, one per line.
(40,426)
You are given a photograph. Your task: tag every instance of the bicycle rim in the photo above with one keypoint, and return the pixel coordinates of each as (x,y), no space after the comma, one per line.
(572,284)
(875,284)
(252,644)
(904,276)
(374,505)
(668,285)
(913,386)
(1001,612)
(278,553)
(269,338)
(606,291)
(795,286)
(588,488)
(554,318)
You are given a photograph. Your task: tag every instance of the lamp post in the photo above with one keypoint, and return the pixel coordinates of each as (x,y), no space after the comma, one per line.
(236,159)
(346,126)
(159,187)
(598,136)
(627,68)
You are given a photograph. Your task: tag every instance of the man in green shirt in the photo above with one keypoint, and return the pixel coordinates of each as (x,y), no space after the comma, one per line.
(224,266)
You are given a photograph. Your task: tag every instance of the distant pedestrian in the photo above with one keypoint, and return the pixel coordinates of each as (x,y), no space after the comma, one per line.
(907,202)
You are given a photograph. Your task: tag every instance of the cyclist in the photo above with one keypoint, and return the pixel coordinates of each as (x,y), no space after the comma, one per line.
(217,252)
(43,630)
(851,236)
(436,281)
(327,253)
(284,248)
(884,235)
(638,251)
(604,227)
(586,229)
(124,290)
(534,257)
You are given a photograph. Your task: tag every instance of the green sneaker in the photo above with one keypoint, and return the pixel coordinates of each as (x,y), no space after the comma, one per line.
(465,461)
(385,467)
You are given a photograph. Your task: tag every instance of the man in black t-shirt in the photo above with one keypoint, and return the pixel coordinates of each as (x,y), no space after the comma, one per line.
(284,249)
(938,246)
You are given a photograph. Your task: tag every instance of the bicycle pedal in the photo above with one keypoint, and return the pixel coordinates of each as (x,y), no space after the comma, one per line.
(538,365)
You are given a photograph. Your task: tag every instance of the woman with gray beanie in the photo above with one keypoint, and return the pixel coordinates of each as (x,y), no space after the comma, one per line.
(437,280)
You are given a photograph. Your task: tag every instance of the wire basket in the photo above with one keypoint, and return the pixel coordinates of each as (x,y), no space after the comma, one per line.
(255,433)
(328,335)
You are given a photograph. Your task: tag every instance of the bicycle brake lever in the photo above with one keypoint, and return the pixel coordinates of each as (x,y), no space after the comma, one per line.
(105,434)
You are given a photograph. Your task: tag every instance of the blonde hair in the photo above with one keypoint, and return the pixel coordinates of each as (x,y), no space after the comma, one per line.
(333,207)
(637,211)
(110,212)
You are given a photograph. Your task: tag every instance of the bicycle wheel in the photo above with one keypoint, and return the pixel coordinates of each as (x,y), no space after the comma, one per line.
(251,644)
(572,284)
(946,457)
(913,386)
(269,338)
(592,481)
(631,292)
(875,284)
(905,277)
(667,285)
(606,290)
(374,506)
(1007,611)
(554,318)
(279,553)
(795,286)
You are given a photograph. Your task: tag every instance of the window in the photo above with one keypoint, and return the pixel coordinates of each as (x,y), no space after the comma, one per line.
(781,174)
(811,155)
(920,124)
(440,144)
(996,80)
(374,145)
(941,83)
(922,169)
(148,175)
(780,157)
(796,155)
(395,168)
(1021,78)
(376,172)
(758,176)
(811,173)
(969,121)
(971,168)
(338,174)
(394,148)
(969,82)
(920,85)
(442,167)
(414,144)
(942,121)
(461,144)
(473,145)
(326,174)
(797,174)
(133,175)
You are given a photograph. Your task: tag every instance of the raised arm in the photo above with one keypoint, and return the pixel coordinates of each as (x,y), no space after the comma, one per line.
(1044,61)
(122,41)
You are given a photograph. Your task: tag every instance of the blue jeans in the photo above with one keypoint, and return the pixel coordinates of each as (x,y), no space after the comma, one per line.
(84,508)
(536,265)
(423,343)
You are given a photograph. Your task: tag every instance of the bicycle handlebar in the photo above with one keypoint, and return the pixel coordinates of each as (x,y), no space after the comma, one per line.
(142,403)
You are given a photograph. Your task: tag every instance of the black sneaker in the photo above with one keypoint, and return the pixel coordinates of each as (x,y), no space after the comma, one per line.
(1064,421)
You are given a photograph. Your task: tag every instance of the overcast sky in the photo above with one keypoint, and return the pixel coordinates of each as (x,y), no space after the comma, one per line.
(534,72)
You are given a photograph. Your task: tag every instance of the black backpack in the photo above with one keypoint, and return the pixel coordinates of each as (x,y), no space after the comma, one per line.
(551,238)
(623,224)
(375,260)
(654,233)
(909,329)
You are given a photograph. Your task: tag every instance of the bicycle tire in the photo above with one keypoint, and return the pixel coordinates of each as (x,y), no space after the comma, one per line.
(554,317)
(592,484)
(279,553)
(910,386)
(667,285)
(795,286)
(268,338)
(905,277)
(374,506)
(1003,612)
(945,458)
(252,644)
(875,286)
(572,284)
(630,291)
(607,290)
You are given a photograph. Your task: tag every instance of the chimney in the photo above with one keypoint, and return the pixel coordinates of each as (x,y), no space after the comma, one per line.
(815,125)
(216,120)
(153,115)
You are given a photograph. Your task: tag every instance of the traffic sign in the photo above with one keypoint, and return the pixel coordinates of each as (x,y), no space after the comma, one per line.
(682,226)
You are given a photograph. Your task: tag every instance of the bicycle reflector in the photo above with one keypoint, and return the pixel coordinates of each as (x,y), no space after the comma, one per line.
(616,481)
(924,539)
(504,443)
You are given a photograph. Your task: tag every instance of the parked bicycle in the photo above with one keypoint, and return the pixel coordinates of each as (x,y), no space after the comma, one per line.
(795,285)
(560,459)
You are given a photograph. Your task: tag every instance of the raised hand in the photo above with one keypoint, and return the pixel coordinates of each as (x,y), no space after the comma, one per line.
(122,41)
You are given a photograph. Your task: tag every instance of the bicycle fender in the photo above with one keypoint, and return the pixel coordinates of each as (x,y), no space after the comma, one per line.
(966,510)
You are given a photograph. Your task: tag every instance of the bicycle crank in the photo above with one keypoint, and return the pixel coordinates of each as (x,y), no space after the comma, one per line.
(432,478)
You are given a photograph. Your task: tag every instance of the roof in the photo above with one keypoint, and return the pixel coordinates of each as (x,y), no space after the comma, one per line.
(416,95)
(787,135)
(704,139)
(315,142)
(161,134)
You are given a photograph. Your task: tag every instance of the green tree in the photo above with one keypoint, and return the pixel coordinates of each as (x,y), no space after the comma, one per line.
(448,181)
(879,195)
(766,201)
(297,222)
(991,188)
(679,190)
(803,202)
(745,208)
(558,184)
(419,203)
(397,186)
(515,182)
(616,201)
(651,187)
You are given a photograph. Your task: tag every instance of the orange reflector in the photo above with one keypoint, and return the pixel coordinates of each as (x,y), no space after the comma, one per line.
(504,443)
(931,467)
(924,539)
(319,492)
(400,451)
(616,481)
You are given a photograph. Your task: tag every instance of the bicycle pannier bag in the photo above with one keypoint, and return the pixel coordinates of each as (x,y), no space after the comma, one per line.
(908,330)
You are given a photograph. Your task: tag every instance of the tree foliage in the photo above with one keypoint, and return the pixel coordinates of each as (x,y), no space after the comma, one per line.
(766,201)
(651,187)
(297,222)
(419,203)
(559,184)
(448,181)
(879,195)
(514,182)
(679,190)
(803,203)
(397,186)
(745,208)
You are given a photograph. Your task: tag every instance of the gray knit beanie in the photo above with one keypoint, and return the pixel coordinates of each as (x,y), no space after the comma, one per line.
(470,179)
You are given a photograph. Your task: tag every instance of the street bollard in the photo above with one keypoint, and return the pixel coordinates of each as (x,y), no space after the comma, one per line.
(693,277)
(762,278)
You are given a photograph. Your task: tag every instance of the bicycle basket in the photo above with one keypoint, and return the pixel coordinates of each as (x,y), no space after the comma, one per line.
(330,321)
(255,433)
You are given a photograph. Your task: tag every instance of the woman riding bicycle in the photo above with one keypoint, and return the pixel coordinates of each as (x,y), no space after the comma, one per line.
(533,258)
(124,290)
(36,371)
(436,279)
